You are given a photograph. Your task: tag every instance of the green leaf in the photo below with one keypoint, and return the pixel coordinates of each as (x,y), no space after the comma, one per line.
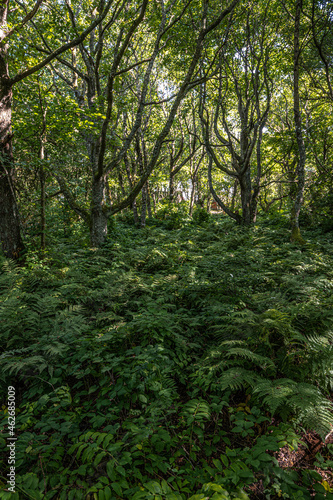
(121,470)
(117,488)
(110,469)
(218,465)
(107,493)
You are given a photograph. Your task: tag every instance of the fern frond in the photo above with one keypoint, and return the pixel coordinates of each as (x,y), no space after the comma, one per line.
(262,361)
(16,364)
(196,409)
(236,378)
(305,400)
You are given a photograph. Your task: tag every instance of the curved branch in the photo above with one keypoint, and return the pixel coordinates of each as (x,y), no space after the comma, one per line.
(20,76)
(71,200)
(24,21)
(218,200)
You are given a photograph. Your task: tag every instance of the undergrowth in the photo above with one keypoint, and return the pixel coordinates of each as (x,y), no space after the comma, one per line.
(169,364)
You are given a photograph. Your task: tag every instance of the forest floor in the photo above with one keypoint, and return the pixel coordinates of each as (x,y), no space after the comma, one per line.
(192,362)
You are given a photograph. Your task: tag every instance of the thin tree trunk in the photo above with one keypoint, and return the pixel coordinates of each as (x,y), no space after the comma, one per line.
(143,206)
(121,184)
(218,200)
(209,196)
(130,180)
(150,215)
(300,169)
(256,187)
(108,192)
(135,212)
(234,192)
(192,197)
(42,199)
(171,187)
(154,202)
(42,172)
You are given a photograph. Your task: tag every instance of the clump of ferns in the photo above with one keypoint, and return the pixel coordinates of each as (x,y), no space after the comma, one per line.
(273,334)
(317,359)
(305,402)
(10,273)
(232,365)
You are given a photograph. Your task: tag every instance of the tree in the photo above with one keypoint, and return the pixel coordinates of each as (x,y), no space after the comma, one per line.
(10,231)
(300,169)
(234,109)
(164,20)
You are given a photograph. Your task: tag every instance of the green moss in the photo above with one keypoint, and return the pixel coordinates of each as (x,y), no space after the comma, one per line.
(296,236)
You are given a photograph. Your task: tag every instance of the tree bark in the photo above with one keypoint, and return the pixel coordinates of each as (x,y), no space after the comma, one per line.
(150,215)
(143,206)
(42,172)
(171,187)
(192,196)
(234,192)
(153,195)
(10,230)
(208,203)
(246,197)
(129,177)
(300,169)
(99,220)
(42,200)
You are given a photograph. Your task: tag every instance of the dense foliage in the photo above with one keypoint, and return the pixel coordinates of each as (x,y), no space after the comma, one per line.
(177,361)
(166,216)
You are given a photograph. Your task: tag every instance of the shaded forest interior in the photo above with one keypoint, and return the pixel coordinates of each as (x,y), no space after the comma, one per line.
(166,218)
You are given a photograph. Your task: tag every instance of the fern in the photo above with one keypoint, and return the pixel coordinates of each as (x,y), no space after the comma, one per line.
(305,400)
(157,325)
(319,359)
(261,361)
(196,410)
(236,378)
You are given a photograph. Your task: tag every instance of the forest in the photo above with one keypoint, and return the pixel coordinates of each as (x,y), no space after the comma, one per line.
(166,267)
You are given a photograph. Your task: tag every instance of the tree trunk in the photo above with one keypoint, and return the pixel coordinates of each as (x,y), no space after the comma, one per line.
(42,176)
(171,187)
(208,204)
(10,231)
(131,176)
(42,201)
(135,213)
(153,195)
(192,197)
(150,215)
(234,191)
(143,206)
(256,187)
(246,198)
(300,169)
(98,222)
(108,192)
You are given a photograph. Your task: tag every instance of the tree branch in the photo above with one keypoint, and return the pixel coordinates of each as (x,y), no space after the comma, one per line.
(20,76)
(24,21)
